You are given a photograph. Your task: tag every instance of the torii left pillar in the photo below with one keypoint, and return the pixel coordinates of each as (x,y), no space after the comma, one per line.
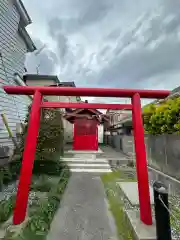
(28,160)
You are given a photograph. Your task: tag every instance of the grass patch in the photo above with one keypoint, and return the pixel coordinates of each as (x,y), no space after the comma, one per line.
(119,176)
(116,203)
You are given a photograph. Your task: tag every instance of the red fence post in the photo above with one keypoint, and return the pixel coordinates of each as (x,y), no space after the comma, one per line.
(28,160)
(141,162)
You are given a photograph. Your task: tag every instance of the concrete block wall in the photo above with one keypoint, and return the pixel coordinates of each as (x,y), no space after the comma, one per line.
(163,151)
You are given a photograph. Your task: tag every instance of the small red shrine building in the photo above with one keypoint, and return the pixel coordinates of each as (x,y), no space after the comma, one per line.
(86,122)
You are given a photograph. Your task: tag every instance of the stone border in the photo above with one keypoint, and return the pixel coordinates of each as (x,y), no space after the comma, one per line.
(139,229)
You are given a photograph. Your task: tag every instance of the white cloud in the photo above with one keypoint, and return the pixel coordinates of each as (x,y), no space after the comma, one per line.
(105,43)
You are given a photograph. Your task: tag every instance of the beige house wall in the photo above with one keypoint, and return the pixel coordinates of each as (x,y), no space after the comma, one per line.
(39,82)
(68,127)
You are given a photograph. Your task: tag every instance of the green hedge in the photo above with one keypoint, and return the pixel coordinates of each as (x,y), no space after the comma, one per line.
(50,144)
(48,167)
(49,149)
(10,172)
(162,118)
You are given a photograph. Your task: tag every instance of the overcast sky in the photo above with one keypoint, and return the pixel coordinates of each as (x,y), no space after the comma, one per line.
(107,43)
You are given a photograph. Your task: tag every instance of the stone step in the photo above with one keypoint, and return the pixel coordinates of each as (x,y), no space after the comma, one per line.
(79,160)
(85,152)
(88,166)
(90,170)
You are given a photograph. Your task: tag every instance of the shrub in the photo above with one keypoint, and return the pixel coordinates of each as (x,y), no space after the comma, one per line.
(49,148)
(51,135)
(162,118)
(9,172)
(48,167)
(42,184)
(6,207)
(130,163)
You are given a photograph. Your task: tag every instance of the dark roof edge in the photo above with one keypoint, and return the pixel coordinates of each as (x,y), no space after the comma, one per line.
(32,77)
(65,84)
(27,39)
(23,12)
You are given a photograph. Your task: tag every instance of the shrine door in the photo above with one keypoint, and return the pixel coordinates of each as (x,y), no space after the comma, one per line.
(85,134)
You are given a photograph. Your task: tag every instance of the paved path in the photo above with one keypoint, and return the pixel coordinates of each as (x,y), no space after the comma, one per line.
(83,214)
(112,154)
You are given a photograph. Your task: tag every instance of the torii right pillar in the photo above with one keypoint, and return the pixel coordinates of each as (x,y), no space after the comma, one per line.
(141,161)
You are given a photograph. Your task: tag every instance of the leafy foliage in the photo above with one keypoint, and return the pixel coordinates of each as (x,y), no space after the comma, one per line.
(9,172)
(48,167)
(6,207)
(49,148)
(51,135)
(162,118)
(42,185)
(39,223)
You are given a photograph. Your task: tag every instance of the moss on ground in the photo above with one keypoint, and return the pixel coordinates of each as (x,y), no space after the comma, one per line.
(116,203)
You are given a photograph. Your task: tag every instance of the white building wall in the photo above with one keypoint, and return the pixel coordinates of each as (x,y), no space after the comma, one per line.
(68,127)
(12,50)
(100,133)
(39,82)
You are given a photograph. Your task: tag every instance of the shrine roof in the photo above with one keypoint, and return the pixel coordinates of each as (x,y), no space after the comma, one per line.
(73,114)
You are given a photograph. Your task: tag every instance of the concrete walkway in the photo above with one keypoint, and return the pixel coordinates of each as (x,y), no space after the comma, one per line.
(112,154)
(83,214)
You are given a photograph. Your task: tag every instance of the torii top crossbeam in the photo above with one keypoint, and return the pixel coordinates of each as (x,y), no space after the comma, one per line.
(88,92)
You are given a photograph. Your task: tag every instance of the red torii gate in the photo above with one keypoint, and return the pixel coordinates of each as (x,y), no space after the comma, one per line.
(32,135)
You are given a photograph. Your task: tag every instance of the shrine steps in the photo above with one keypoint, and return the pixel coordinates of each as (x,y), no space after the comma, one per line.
(91,165)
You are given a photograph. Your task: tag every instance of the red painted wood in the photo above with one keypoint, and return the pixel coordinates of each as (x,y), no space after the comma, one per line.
(29,152)
(94,92)
(85,134)
(141,162)
(86,105)
(28,160)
